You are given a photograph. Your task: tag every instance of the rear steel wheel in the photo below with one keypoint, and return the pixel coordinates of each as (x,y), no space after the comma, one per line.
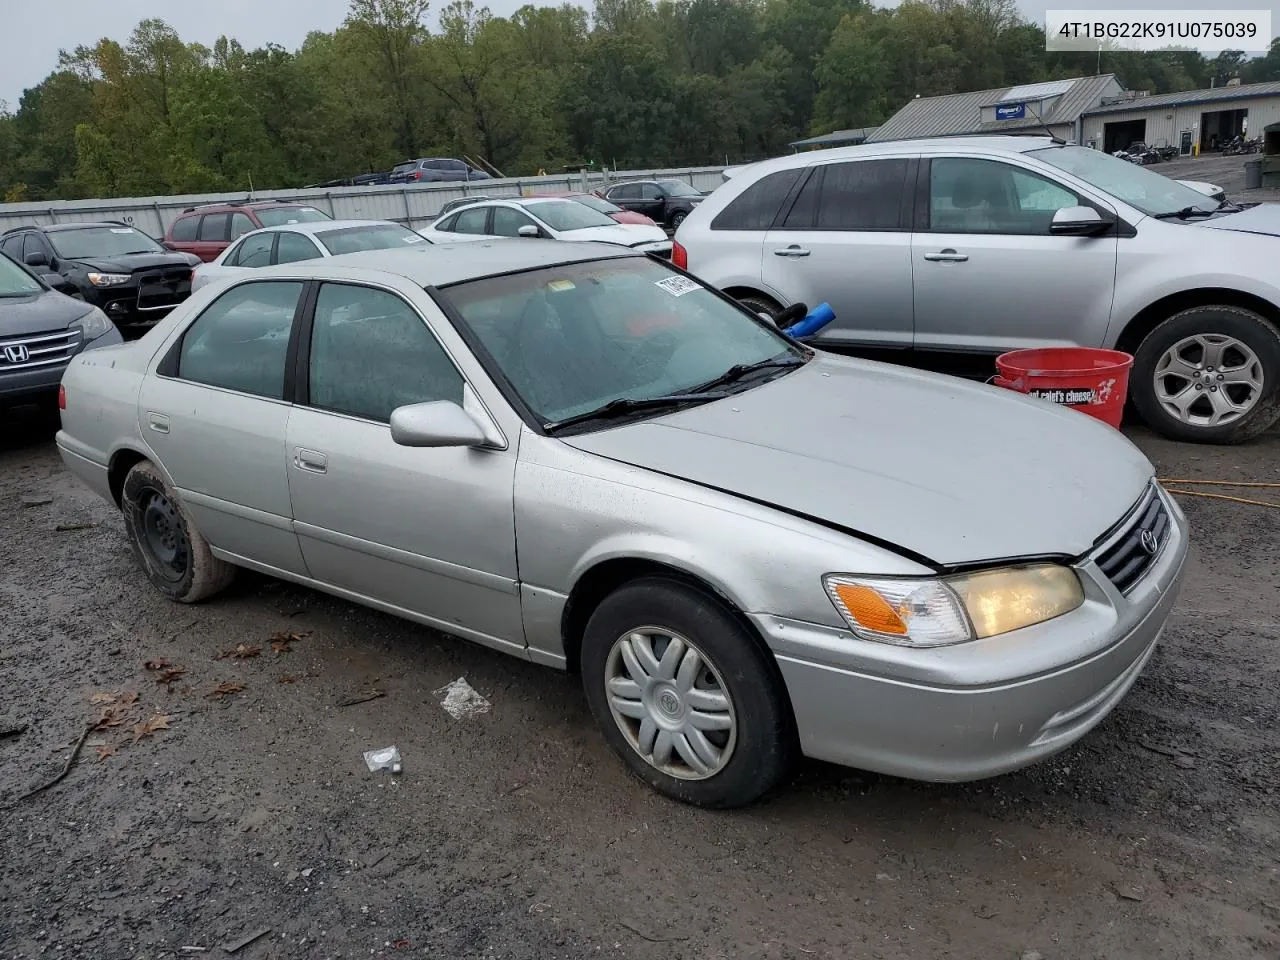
(164,535)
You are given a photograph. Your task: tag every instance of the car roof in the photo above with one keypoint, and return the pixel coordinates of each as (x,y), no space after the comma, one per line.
(440,264)
(993,144)
(62,227)
(324,226)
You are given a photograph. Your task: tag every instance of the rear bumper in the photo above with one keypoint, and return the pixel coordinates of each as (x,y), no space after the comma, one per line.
(975,710)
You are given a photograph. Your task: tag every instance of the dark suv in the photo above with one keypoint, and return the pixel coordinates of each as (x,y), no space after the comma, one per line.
(207,231)
(666,202)
(435,170)
(130,277)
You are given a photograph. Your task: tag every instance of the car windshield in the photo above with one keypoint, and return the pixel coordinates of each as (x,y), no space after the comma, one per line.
(571,339)
(565,215)
(16,282)
(1152,193)
(281,216)
(89,242)
(377,236)
(678,188)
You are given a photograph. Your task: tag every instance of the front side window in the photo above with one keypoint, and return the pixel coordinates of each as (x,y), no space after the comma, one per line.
(757,206)
(375,236)
(254,251)
(102,242)
(16,282)
(32,245)
(677,188)
(650,191)
(571,338)
(240,225)
(13,247)
(507,222)
(213,228)
(970,195)
(185,229)
(371,353)
(565,215)
(293,247)
(1152,193)
(471,220)
(241,339)
(283,216)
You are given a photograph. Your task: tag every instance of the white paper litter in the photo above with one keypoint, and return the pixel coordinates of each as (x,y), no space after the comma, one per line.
(461,701)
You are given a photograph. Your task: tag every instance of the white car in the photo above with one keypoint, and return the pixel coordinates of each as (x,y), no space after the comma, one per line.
(552,218)
(302,241)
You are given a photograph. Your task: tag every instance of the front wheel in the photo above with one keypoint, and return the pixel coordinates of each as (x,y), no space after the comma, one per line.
(1209,375)
(685,695)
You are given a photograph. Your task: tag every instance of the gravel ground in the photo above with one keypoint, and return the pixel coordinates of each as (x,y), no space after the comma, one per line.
(516,834)
(1226,172)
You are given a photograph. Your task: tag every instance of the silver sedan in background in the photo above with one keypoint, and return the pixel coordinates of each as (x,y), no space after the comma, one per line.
(748,549)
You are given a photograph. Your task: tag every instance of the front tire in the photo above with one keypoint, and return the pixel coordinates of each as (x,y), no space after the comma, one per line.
(1209,375)
(677,218)
(684,694)
(171,551)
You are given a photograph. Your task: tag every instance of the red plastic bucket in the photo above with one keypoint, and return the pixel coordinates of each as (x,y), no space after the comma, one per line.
(1090,380)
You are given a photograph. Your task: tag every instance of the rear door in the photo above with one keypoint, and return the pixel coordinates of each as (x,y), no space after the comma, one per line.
(212,237)
(989,276)
(627,196)
(183,234)
(215,414)
(248,254)
(846,240)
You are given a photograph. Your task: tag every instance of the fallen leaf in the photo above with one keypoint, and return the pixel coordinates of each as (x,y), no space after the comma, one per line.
(224,689)
(287,679)
(281,646)
(400,944)
(104,752)
(127,699)
(170,675)
(103,698)
(160,664)
(289,636)
(113,717)
(242,652)
(157,722)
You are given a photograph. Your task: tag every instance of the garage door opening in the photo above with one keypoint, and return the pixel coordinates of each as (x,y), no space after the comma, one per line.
(1217,127)
(1118,136)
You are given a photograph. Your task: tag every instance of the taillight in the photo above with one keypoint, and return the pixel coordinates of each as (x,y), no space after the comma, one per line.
(679,256)
(417,174)
(62,397)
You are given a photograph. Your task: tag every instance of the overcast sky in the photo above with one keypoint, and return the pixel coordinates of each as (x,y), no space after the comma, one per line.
(34,33)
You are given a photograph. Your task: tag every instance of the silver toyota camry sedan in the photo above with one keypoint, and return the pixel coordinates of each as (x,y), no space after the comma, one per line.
(580,455)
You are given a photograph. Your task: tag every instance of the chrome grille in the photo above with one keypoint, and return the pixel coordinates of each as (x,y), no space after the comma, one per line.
(1128,554)
(35,350)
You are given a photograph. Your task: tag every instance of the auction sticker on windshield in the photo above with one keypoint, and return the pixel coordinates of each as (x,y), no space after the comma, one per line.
(677,286)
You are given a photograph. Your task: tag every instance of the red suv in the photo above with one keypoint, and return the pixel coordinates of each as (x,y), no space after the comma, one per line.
(207,231)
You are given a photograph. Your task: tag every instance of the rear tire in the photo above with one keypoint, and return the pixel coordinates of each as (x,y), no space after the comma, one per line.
(706,722)
(1209,375)
(171,551)
(677,218)
(759,303)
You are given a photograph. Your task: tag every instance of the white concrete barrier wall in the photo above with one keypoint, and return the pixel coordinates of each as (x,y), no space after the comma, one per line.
(411,204)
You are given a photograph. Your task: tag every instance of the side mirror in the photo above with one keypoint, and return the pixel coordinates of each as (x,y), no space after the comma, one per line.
(36,258)
(528,230)
(1078,222)
(438,423)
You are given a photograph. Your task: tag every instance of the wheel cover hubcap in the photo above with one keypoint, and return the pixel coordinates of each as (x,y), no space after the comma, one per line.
(1208,380)
(164,536)
(671,703)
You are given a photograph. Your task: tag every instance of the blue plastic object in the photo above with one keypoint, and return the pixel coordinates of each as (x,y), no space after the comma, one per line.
(814,320)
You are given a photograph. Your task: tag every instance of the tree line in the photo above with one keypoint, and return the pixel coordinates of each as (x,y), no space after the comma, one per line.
(633,83)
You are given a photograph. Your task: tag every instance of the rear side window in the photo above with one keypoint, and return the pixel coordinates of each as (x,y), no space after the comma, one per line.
(471,220)
(213,228)
(861,195)
(255,251)
(184,229)
(757,206)
(628,191)
(293,247)
(241,339)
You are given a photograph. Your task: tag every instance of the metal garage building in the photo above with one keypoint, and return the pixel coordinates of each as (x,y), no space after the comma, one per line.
(1204,117)
(1020,109)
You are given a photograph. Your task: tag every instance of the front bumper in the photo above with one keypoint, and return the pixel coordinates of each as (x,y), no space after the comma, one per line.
(23,383)
(976,709)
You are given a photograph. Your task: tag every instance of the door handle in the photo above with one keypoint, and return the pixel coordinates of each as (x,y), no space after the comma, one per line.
(947,256)
(795,250)
(310,460)
(158,422)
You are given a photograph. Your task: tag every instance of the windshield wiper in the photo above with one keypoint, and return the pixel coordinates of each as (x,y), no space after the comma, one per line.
(1184,213)
(624,405)
(740,370)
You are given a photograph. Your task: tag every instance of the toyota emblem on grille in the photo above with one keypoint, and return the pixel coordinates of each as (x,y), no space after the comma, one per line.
(1149,542)
(16,353)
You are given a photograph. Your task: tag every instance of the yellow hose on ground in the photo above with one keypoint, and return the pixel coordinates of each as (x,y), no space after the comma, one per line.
(1249,484)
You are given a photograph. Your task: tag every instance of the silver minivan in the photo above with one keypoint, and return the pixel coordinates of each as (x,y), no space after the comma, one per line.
(979,245)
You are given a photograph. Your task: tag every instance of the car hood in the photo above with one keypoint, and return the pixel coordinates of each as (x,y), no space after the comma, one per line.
(626,234)
(132,262)
(950,471)
(1263,219)
(630,216)
(39,313)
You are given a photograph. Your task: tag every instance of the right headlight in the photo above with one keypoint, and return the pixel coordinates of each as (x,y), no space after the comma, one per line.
(937,612)
(93,324)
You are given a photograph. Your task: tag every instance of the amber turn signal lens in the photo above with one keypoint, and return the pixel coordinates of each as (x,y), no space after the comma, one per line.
(870,609)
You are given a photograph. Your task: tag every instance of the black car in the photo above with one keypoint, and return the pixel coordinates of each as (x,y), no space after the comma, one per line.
(132,278)
(666,202)
(40,331)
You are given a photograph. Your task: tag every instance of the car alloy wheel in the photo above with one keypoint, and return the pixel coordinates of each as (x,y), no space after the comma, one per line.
(671,703)
(1208,380)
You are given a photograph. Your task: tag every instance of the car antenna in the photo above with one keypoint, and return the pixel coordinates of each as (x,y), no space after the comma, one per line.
(1052,136)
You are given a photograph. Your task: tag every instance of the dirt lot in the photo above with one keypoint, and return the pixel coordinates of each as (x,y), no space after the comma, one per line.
(517,835)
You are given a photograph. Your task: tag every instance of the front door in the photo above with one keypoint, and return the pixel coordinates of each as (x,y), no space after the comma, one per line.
(846,241)
(988,275)
(428,532)
(215,415)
